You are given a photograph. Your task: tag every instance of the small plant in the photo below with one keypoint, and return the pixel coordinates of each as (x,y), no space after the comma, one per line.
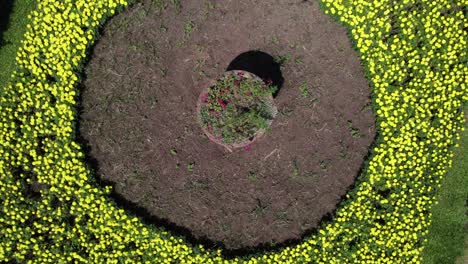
(189,27)
(260,209)
(296,171)
(355,133)
(163,28)
(304,89)
(282,216)
(275,40)
(190,166)
(252,176)
(177,4)
(173,152)
(136,47)
(323,165)
(283,59)
(141,14)
(210,5)
(236,108)
(298,61)
(159,4)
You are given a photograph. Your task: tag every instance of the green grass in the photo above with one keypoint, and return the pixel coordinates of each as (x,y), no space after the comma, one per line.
(446,238)
(12,37)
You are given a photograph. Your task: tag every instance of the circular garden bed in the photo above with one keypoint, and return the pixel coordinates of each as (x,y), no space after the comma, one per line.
(139,117)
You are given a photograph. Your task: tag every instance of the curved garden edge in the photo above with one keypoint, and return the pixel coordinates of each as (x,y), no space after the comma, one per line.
(80,181)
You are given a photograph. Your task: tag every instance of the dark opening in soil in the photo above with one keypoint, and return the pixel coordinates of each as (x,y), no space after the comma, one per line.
(5,9)
(261,64)
(139,118)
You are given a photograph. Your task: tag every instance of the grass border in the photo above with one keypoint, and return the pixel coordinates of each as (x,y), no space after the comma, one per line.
(446,240)
(11,38)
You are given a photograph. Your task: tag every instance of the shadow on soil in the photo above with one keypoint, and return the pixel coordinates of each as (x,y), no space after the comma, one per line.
(261,64)
(5,10)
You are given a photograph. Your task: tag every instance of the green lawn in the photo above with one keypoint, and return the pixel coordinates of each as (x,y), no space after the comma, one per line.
(447,233)
(10,39)
(448,230)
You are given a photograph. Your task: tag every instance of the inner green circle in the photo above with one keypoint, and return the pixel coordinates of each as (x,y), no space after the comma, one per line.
(237,108)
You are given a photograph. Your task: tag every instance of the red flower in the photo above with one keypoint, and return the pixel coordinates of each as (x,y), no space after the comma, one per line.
(222,103)
(236,83)
(216,114)
(248,148)
(205,97)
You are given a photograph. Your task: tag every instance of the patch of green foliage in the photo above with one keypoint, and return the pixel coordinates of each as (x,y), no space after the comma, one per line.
(236,108)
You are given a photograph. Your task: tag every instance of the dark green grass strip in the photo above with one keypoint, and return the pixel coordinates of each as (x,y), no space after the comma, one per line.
(447,234)
(13,21)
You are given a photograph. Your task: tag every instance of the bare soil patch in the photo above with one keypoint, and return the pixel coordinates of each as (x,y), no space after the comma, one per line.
(139,117)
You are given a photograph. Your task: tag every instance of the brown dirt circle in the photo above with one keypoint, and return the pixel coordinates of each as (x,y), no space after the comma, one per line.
(139,117)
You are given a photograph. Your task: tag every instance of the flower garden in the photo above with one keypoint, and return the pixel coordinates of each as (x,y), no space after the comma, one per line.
(53,210)
(236,109)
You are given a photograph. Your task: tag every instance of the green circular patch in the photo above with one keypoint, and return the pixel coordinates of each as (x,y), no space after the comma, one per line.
(237,109)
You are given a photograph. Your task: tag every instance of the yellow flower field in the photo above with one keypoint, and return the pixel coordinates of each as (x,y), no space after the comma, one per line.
(414,54)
